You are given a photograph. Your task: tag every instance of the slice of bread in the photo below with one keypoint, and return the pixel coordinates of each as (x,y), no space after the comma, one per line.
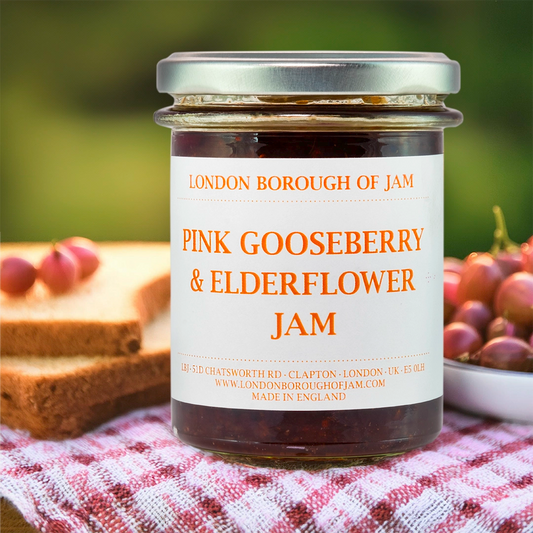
(64,396)
(102,315)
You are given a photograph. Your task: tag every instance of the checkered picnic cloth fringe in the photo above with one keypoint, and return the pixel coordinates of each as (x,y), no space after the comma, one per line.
(133,475)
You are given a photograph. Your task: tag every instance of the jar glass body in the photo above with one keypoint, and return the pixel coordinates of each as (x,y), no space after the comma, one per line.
(363,127)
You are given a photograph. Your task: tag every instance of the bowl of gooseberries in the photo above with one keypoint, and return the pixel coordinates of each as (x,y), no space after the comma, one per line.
(488,329)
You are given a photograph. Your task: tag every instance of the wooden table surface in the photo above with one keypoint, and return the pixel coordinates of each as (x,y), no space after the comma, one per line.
(11,519)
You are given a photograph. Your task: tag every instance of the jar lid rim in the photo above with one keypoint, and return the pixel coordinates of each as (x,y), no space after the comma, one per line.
(308,72)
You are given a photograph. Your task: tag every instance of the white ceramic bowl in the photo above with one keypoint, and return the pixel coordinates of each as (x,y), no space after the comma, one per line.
(484,391)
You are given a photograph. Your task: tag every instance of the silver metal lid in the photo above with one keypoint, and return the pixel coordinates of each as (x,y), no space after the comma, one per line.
(295,73)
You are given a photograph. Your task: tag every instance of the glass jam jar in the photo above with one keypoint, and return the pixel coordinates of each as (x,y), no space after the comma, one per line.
(306,245)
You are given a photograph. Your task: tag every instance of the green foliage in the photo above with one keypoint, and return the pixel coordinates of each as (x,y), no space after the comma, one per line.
(81,155)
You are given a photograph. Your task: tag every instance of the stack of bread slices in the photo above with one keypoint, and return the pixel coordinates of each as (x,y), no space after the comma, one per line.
(72,361)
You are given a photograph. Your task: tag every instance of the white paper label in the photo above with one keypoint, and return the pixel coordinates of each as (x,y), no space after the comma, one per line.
(306,284)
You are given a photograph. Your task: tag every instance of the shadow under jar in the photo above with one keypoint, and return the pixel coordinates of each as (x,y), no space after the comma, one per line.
(343,366)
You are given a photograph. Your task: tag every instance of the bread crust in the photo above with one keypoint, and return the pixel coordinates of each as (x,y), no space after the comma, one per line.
(56,397)
(54,426)
(73,390)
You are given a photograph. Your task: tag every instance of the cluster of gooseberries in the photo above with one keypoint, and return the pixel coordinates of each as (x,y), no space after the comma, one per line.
(68,262)
(488,304)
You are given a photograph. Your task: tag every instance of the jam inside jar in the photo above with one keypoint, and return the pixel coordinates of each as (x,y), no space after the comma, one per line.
(306,127)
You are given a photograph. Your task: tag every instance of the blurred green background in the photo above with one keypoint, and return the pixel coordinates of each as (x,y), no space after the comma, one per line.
(82,156)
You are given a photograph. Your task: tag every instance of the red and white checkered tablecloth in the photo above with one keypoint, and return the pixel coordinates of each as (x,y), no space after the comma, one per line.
(133,475)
